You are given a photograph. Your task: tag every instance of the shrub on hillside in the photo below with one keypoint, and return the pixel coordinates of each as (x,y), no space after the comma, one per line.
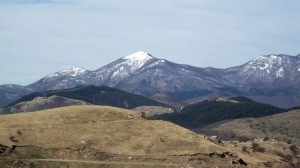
(245,149)
(244,139)
(266,138)
(13,139)
(257,148)
(285,157)
(294,149)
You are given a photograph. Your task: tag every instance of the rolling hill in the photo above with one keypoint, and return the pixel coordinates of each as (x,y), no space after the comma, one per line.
(283,127)
(41,103)
(98,95)
(81,136)
(211,111)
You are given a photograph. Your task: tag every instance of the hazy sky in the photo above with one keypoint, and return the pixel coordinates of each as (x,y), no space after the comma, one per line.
(39,37)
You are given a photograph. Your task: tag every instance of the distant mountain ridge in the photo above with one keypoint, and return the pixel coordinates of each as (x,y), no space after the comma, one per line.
(9,93)
(97,95)
(272,79)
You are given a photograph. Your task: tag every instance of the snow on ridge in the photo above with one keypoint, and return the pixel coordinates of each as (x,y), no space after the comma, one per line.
(76,71)
(269,58)
(52,75)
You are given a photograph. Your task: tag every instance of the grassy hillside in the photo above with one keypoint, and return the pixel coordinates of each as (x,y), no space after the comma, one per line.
(81,136)
(104,128)
(97,95)
(41,103)
(150,111)
(212,111)
(284,127)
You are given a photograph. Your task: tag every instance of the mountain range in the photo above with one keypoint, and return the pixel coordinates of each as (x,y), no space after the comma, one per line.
(272,79)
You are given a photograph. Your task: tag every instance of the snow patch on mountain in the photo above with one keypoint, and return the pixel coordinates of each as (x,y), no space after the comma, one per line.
(120,72)
(266,63)
(52,75)
(280,72)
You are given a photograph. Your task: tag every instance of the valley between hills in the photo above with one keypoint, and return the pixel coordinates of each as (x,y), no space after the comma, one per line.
(141,111)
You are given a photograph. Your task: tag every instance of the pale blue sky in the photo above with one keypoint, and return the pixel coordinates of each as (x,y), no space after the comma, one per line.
(39,37)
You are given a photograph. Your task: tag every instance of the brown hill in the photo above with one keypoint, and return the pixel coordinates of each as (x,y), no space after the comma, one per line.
(283,127)
(41,103)
(93,136)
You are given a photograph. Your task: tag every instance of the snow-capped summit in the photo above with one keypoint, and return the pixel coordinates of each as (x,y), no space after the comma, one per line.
(267,70)
(266,63)
(124,67)
(66,79)
(277,59)
(140,55)
(76,71)
(137,60)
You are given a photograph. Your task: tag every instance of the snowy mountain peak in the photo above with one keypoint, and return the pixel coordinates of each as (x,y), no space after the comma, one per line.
(267,58)
(271,67)
(137,60)
(76,71)
(265,61)
(139,56)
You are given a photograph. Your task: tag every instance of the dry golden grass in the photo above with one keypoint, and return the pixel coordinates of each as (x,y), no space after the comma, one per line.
(283,127)
(120,131)
(103,128)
